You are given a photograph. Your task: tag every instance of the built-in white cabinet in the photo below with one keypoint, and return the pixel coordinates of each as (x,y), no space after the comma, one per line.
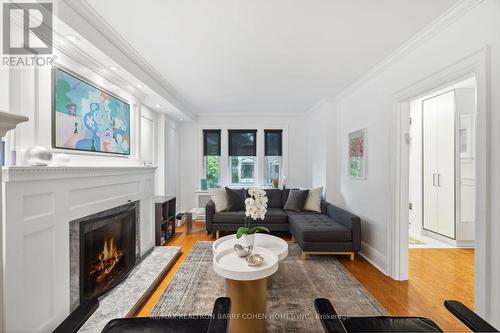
(438,115)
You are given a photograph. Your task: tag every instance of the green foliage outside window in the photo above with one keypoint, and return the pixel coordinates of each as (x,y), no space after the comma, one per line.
(235,164)
(213,171)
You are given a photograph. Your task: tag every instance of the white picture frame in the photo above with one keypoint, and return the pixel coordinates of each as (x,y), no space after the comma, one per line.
(357,154)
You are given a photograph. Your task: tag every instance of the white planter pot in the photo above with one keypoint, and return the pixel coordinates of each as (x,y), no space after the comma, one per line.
(248,240)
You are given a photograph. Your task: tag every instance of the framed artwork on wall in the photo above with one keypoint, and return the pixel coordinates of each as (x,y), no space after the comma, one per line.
(357,154)
(88,118)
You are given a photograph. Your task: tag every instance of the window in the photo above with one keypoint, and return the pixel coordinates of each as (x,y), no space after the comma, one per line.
(211,157)
(242,156)
(273,155)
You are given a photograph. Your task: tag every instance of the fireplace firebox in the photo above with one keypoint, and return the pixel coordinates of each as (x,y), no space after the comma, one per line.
(107,250)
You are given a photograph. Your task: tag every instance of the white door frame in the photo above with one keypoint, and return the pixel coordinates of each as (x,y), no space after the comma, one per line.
(476,64)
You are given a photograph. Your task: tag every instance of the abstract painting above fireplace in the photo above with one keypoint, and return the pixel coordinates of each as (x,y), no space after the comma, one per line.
(103,250)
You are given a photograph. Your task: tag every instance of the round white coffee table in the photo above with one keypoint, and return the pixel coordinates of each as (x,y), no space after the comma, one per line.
(277,245)
(246,286)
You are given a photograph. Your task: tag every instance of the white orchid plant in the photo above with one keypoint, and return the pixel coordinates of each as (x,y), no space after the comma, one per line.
(255,209)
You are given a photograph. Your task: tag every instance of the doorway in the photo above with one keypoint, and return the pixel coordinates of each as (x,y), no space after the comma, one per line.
(442,168)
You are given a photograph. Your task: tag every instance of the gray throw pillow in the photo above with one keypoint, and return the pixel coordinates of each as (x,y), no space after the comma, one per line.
(296,200)
(273,197)
(235,199)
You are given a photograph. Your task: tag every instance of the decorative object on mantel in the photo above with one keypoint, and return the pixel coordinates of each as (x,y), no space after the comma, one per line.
(13,158)
(255,209)
(2,156)
(148,163)
(276,182)
(357,154)
(61,160)
(38,156)
(255,259)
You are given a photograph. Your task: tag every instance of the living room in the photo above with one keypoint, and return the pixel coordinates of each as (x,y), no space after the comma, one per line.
(249,166)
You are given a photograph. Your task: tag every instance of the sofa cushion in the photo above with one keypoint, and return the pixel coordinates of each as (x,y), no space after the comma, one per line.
(284,196)
(219,197)
(315,227)
(235,199)
(274,215)
(274,198)
(230,217)
(313,202)
(296,200)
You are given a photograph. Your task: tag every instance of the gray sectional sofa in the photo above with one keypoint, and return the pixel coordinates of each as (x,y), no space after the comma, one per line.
(333,231)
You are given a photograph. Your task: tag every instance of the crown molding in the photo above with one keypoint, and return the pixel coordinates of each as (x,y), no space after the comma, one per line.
(458,10)
(97,67)
(83,18)
(205,115)
(78,55)
(320,103)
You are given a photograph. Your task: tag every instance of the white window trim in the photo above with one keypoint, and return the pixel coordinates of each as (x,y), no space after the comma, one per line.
(225,177)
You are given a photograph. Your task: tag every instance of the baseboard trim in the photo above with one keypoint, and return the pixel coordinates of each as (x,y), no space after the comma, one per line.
(466,244)
(377,259)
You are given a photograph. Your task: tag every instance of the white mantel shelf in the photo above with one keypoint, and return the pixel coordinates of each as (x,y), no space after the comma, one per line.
(27,173)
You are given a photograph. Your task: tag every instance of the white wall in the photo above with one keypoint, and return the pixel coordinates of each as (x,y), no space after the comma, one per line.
(171,149)
(296,162)
(371,105)
(415,175)
(148,132)
(466,105)
(322,148)
(4,89)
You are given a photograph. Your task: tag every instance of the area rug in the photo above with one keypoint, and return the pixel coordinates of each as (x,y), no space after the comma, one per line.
(290,300)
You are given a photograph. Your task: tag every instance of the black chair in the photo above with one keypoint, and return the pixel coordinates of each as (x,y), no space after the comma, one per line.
(332,323)
(218,322)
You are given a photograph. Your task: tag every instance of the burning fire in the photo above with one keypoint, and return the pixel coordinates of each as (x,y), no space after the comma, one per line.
(106,261)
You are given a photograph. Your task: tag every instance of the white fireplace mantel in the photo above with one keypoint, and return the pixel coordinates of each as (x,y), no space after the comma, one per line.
(36,173)
(40,202)
(8,121)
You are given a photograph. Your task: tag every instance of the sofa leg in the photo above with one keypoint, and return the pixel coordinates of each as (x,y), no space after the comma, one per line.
(217,234)
(352,256)
(303,255)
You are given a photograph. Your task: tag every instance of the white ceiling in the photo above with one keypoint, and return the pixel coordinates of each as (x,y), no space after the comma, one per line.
(265,55)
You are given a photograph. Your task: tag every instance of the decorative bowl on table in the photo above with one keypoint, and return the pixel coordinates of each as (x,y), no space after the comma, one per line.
(255,259)
(243,251)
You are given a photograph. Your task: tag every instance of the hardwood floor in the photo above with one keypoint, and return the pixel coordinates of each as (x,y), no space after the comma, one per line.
(435,275)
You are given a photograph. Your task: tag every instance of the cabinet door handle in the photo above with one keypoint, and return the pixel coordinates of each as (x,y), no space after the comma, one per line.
(433,179)
(439,179)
